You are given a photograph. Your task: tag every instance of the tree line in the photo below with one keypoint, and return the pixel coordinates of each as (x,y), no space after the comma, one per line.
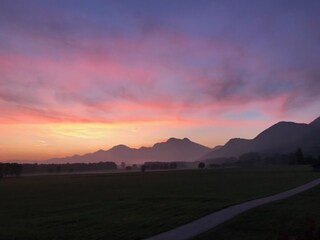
(256,159)
(293,158)
(68,167)
(16,169)
(10,170)
(160,165)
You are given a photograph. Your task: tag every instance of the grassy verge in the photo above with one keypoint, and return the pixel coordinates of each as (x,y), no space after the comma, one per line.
(129,205)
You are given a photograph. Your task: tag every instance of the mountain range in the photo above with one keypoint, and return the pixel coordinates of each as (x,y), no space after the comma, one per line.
(173,149)
(283,137)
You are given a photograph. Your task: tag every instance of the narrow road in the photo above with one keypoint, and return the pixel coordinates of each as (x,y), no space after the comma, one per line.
(210,221)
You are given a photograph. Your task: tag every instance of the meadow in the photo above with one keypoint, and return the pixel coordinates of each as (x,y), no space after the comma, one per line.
(297,217)
(130,205)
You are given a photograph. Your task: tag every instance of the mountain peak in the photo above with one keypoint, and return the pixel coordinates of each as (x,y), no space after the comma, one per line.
(173,139)
(315,122)
(120,147)
(235,140)
(283,123)
(176,140)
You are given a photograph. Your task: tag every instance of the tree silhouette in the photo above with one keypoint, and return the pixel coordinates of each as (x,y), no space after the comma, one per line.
(299,156)
(58,169)
(201,165)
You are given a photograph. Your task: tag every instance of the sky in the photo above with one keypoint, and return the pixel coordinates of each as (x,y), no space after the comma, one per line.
(77,76)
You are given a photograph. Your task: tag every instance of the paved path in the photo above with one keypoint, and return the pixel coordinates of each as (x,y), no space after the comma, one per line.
(210,221)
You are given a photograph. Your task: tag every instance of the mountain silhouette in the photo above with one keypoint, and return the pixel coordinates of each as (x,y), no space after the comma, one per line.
(173,149)
(283,137)
(316,122)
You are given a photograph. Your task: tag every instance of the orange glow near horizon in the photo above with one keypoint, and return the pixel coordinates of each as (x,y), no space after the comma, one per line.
(47,140)
(43,141)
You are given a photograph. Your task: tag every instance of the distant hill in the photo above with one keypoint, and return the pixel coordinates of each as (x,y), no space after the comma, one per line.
(217,147)
(172,150)
(283,137)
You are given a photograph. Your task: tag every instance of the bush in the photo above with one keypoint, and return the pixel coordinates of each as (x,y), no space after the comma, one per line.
(201,165)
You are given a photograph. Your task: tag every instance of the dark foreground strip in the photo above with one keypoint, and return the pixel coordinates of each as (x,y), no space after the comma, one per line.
(210,221)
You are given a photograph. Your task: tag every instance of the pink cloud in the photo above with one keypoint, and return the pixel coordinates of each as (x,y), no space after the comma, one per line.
(164,76)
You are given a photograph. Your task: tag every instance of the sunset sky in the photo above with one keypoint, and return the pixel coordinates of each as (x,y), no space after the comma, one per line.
(78,76)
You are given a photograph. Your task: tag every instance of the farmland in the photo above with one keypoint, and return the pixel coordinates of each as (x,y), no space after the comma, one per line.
(130,205)
(297,217)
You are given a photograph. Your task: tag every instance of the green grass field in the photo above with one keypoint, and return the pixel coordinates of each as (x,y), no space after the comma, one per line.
(291,217)
(129,205)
